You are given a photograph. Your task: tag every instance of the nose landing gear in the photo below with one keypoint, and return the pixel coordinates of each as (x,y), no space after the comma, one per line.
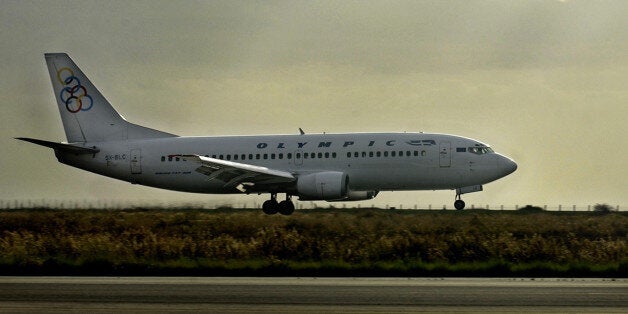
(459,203)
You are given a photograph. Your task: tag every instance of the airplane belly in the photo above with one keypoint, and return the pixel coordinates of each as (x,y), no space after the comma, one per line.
(417,178)
(184,179)
(391,178)
(183,182)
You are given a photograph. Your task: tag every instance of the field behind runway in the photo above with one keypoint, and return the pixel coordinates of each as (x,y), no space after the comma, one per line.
(347,242)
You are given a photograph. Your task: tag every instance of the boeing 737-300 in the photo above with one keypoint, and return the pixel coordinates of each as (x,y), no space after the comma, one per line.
(329,167)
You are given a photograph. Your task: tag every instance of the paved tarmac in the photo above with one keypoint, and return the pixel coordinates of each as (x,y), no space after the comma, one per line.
(313,295)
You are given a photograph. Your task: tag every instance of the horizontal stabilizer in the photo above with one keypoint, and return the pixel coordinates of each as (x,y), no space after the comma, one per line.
(61,146)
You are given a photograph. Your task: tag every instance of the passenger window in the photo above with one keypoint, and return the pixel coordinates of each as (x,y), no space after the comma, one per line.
(423,153)
(221,157)
(163,158)
(243,157)
(348,154)
(320,155)
(272,156)
(250,156)
(378,154)
(235,157)
(363,154)
(461,149)
(326,155)
(386,154)
(298,155)
(312,155)
(408,153)
(214,156)
(333,155)
(257,156)
(177,158)
(416,153)
(228,157)
(400,153)
(280,155)
(356,154)
(393,153)
(289,156)
(306,155)
(265,156)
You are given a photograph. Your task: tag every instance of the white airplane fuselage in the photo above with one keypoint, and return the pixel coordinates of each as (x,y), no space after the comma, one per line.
(372,161)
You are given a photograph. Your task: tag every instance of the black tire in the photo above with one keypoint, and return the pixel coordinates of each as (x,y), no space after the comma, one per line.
(270,207)
(286,208)
(459,204)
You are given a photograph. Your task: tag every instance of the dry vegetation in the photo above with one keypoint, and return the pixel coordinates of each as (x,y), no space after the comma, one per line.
(314,242)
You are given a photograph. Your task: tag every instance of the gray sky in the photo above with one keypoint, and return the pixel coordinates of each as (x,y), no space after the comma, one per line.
(544,82)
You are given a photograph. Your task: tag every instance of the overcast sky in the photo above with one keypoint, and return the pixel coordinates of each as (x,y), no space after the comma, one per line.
(544,82)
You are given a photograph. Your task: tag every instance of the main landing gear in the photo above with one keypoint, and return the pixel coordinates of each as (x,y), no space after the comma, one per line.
(271,206)
(459,203)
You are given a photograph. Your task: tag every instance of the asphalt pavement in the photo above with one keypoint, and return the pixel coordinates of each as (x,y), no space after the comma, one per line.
(314,295)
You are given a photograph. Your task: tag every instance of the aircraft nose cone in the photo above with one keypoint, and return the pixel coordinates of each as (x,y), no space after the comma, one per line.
(509,165)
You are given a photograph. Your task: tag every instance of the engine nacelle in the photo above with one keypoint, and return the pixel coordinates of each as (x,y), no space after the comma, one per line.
(327,186)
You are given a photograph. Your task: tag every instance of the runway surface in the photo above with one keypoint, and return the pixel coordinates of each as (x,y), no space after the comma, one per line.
(314,295)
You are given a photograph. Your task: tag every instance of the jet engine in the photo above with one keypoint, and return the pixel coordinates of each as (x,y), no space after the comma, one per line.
(327,186)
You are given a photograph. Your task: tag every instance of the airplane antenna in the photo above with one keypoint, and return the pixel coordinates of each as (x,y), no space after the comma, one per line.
(301,131)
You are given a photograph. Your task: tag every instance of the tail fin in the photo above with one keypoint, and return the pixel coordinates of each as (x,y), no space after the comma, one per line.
(86,115)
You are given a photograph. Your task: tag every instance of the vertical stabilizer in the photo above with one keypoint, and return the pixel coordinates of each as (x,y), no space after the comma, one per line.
(86,115)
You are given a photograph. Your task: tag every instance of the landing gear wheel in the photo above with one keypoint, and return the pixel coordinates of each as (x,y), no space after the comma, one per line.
(286,207)
(270,207)
(459,204)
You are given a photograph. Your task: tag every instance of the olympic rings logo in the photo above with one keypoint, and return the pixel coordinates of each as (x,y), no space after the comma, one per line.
(73,95)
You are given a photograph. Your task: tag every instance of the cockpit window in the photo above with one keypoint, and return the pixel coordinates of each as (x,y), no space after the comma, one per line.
(480,150)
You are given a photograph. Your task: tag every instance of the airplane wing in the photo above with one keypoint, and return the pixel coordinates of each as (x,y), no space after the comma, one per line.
(238,175)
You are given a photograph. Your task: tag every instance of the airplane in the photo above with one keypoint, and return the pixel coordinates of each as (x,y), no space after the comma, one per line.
(329,167)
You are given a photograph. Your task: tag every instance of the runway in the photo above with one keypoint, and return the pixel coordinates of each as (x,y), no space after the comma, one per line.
(314,295)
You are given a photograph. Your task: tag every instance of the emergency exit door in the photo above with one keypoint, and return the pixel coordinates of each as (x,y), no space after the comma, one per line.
(445,154)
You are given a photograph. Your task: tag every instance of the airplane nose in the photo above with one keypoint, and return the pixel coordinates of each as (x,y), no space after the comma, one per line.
(508,165)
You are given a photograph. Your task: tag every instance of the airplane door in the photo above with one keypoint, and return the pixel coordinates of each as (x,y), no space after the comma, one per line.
(136,164)
(298,157)
(445,154)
